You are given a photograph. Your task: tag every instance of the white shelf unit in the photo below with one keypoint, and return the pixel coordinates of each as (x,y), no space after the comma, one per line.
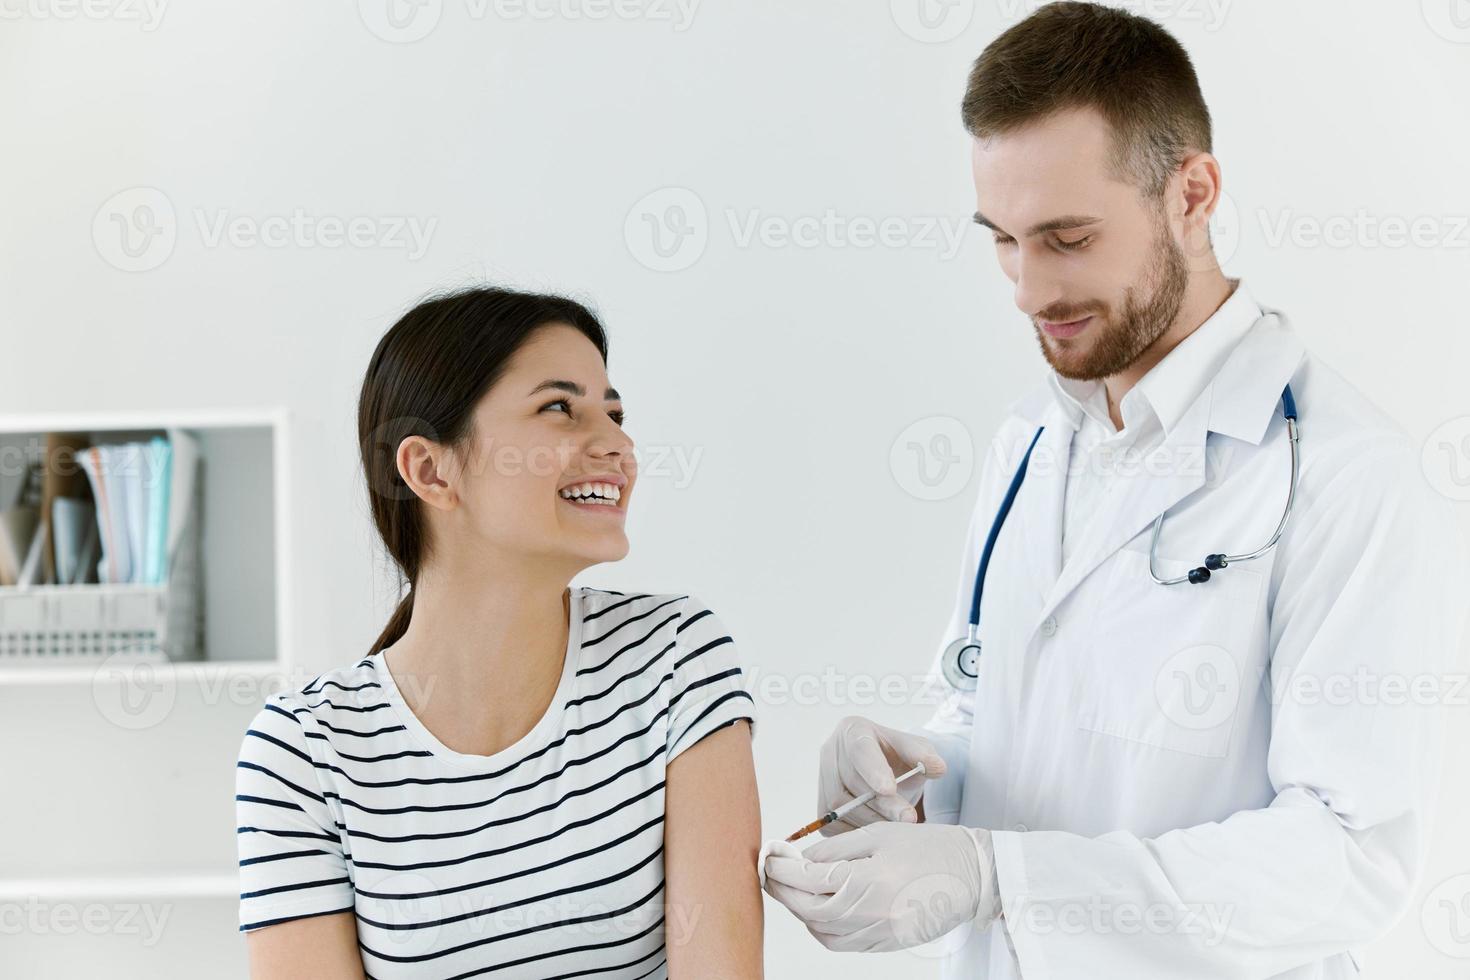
(230,452)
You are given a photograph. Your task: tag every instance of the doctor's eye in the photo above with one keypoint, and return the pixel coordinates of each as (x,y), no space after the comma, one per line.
(1082,242)
(1004,240)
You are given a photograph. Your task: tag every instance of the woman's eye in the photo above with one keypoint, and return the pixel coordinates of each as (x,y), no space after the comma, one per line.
(560,401)
(616,417)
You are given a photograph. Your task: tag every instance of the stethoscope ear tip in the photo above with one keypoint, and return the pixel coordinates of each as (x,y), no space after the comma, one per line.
(1199,575)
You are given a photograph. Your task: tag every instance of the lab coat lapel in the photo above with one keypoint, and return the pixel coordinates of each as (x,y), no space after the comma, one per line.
(1134,501)
(1239,402)
(1043,497)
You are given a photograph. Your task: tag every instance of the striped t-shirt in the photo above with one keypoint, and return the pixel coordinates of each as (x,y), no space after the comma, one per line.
(542,860)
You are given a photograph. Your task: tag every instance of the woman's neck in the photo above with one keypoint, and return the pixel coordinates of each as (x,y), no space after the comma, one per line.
(483,652)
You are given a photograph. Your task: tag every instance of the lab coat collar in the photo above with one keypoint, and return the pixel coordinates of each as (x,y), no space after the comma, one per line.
(1172,385)
(1238,402)
(1242,363)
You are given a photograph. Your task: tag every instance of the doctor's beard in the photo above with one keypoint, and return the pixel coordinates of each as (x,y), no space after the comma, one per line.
(1115,341)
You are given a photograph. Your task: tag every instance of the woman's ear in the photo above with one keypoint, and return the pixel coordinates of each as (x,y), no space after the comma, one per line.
(430,470)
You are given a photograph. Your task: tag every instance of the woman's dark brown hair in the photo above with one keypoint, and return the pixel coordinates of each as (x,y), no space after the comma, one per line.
(424,379)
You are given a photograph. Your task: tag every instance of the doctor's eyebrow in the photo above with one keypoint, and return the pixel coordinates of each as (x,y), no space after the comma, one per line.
(571,387)
(1062,223)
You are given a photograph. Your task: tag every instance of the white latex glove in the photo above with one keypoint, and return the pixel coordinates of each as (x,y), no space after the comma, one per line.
(889,886)
(860,756)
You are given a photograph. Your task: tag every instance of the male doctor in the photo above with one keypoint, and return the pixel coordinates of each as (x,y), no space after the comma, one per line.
(1231,778)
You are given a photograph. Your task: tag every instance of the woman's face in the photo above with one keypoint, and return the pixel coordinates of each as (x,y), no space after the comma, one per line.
(549,471)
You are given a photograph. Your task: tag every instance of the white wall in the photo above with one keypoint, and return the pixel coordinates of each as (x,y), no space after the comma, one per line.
(528,146)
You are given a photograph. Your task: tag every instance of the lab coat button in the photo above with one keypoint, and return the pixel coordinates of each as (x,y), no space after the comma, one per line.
(1049,626)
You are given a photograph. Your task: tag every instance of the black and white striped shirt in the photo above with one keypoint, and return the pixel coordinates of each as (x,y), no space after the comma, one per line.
(542,860)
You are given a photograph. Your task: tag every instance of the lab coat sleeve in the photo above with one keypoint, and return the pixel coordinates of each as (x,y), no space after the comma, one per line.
(950,725)
(1370,582)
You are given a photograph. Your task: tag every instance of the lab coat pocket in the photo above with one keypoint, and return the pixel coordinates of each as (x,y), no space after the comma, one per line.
(1170,666)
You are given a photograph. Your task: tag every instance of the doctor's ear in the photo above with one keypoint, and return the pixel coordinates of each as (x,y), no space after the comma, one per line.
(1196,191)
(430,470)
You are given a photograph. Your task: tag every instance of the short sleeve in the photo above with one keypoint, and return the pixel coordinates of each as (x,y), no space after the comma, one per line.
(291,861)
(709,689)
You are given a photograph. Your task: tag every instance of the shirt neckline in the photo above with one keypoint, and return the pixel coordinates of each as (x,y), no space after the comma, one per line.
(539,733)
(1166,391)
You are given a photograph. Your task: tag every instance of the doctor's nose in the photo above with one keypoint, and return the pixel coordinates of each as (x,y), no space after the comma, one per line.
(1036,289)
(1033,296)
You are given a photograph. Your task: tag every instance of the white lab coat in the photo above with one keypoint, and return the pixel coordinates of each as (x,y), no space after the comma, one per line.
(1169,793)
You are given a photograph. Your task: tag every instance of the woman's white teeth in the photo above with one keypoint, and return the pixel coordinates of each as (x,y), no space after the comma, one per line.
(593,493)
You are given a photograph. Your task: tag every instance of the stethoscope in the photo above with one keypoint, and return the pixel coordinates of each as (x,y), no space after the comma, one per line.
(962,657)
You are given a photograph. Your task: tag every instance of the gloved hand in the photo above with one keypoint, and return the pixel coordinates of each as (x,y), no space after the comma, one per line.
(860,756)
(889,886)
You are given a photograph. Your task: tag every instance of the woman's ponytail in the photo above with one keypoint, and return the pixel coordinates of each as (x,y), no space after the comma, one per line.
(397,624)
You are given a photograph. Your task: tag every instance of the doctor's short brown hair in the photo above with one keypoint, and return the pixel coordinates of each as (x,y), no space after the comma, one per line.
(1083,55)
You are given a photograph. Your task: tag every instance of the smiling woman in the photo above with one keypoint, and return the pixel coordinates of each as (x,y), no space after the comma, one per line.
(520,778)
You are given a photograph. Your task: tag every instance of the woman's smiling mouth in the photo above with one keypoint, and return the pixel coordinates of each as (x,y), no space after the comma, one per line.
(595,495)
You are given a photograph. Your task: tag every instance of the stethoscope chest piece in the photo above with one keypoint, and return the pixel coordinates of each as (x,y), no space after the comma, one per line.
(962,664)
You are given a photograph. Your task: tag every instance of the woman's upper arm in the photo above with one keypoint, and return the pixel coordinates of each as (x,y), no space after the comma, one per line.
(296,896)
(712,899)
(322,947)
